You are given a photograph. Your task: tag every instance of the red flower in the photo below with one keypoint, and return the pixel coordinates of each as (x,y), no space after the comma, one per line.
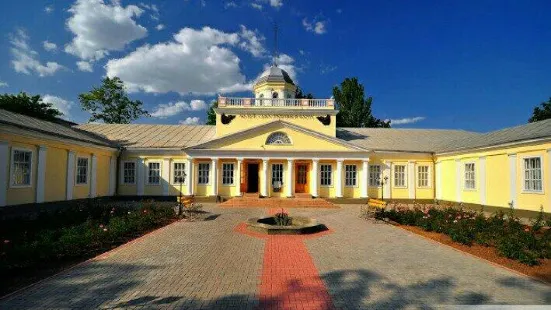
(100,225)
(6,241)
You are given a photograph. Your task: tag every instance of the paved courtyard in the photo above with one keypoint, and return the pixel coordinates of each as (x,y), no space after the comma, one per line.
(216,264)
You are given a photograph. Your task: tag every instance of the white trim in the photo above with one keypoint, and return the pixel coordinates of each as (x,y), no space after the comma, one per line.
(338,191)
(173,171)
(189,176)
(31,174)
(123,162)
(523,189)
(264,185)
(393,176)
(464,180)
(70,174)
(112,175)
(357,176)
(332,175)
(147,172)
(140,176)
(513,179)
(199,162)
(314,180)
(411,179)
(222,173)
(87,170)
(386,172)
(93,176)
(482,178)
(4,172)
(364,192)
(380,175)
(438,168)
(290,169)
(458,179)
(41,173)
(214,175)
(165,175)
(282,144)
(238,172)
(429,175)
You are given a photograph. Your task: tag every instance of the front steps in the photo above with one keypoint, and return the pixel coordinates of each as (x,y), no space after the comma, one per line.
(297,202)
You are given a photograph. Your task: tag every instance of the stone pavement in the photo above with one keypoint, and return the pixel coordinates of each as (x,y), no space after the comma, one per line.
(210,265)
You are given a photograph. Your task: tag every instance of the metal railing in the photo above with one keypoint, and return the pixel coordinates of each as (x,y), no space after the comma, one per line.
(268,102)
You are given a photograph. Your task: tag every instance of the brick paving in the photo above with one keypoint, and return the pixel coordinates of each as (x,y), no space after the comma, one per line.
(297,202)
(210,265)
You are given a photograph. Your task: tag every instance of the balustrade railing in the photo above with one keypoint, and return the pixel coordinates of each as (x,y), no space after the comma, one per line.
(276,102)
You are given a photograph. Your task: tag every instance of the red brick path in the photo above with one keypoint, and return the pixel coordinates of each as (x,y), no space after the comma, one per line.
(246,201)
(290,279)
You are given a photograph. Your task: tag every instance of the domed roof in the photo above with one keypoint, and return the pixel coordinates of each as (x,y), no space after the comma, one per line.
(275,74)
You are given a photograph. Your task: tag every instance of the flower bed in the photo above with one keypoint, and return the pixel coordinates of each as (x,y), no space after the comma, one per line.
(55,239)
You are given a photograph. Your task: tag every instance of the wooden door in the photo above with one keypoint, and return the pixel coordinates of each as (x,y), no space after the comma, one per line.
(301,178)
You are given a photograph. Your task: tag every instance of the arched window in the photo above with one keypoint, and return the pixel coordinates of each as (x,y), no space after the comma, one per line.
(278,138)
(274,95)
(261,96)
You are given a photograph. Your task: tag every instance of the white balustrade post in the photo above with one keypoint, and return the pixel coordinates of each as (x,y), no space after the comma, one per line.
(364,182)
(290,166)
(315,173)
(41,175)
(338,189)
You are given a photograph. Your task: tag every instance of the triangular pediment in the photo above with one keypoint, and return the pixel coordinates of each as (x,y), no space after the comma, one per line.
(299,139)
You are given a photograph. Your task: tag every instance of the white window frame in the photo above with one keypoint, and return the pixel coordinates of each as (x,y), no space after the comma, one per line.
(542,170)
(475,183)
(394,179)
(353,172)
(12,168)
(328,173)
(428,176)
(123,169)
(281,174)
(377,179)
(148,170)
(232,175)
(173,172)
(87,171)
(199,164)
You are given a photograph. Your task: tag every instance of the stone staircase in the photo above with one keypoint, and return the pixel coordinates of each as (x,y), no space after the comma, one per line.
(252,200)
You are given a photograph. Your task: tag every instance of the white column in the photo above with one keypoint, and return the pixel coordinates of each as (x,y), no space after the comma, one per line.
(112,175)
(4,172)
(482,178)
(290,166)
(338,189)
(438,168)
(315,182)
(214,175)
(237,177)
(93,176)
(458,180)
(70,174)
(513,179)
(264,185)
(140,176)
(165,175)
(41,175)
(386,173)
(189,176)
(364,182)
(411,179)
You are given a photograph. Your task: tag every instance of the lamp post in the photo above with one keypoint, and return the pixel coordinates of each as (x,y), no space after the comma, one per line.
(383,182)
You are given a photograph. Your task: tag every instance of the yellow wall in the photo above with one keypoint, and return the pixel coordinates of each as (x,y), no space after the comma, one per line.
(56,175)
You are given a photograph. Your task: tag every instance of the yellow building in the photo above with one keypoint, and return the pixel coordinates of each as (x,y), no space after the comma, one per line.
(274,145)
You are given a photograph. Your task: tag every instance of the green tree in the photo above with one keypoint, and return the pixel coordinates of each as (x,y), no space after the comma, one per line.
(300,95)
(354,108)
(32,106)
(110,103)
(211,115)
(541,112)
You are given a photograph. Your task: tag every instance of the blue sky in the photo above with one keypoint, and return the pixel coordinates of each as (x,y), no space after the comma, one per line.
(474,65)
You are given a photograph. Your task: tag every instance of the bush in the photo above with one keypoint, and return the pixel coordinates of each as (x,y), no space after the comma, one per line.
(282,219)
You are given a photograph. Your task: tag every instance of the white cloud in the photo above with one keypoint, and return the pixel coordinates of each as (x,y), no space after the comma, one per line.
(49,46)
(100,28)
(198,61)
(85,66)
(317,27)
(252,42)
(407,120)
(153,8)
(25,59)
(257,6)
(160,27)
(190,121)
(49,9)
(64,106)
(286,63)
(276,3)
(165,110)
(230,4)
(3,84)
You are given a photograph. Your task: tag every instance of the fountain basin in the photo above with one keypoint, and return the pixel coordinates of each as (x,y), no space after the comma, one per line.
(300,225)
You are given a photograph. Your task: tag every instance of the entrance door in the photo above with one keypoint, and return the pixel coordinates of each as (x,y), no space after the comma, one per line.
(301,178)
(252,178)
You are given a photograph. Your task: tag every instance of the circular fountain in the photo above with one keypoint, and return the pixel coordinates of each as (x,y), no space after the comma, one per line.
(296,225)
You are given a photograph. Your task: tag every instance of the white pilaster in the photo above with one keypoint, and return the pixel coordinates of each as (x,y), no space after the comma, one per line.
(112,175)
(140,176)
(438,169)
(70,174)
(458,180)
(482,178)
(214,176)
(315,183)
(513,179)
(411,179)
(289,185)
(4,172)
(386,173)
(264,185)
(41,175)
(165,175)
(93,176)
(189,176)
(338,183)
(364,182)
(237,177)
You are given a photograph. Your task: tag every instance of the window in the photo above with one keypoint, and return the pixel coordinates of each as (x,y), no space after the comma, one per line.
(275,95)
(277,175)
(374,175)
(350,172)
(204,172)
(278,138)
(21,167)
(82,170)
(470,177)
(422,176)
(400,176)
(179,174)
(326,175)
(532,174)
(227,173)
(129,172)
(154,173)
